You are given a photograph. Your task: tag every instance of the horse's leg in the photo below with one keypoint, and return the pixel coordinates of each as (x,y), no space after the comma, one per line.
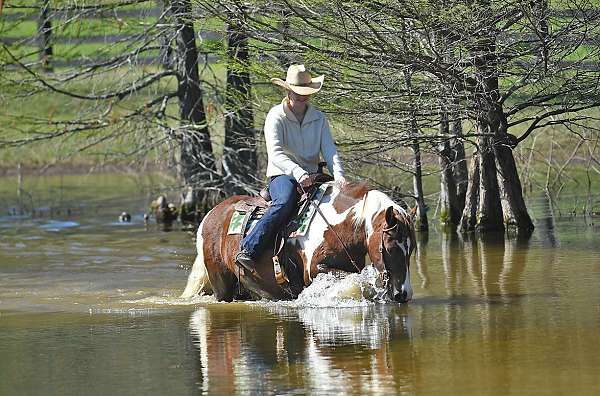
(263,283)
(198,281)
(224,285)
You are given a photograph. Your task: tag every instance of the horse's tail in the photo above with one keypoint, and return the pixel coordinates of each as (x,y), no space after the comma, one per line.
(198,281)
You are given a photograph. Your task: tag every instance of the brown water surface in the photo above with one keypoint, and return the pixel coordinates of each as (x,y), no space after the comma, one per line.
(89,306)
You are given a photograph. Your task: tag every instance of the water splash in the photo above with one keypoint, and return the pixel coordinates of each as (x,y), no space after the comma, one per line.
(340,289)
(335,290)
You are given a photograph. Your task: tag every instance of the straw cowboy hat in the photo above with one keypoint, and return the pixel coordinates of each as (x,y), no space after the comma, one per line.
(300,81)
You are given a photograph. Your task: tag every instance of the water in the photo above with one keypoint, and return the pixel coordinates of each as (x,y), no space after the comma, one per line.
(90,306)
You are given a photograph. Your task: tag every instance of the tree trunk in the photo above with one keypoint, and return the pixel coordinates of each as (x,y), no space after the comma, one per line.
(513,203)
(451,208)
(422,223)
(459,169)
(468,221)
(454,175)
(197,164)
(239,157)
(542,29)
(492,125)
(483,208)
(44,32)
(490,207)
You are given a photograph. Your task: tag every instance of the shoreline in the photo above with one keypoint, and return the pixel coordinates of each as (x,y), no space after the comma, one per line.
(74,169)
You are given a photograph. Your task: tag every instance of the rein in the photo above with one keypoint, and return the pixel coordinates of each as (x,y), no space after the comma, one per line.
(334,232)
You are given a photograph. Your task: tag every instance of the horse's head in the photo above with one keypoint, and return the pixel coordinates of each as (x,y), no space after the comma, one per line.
(397,242)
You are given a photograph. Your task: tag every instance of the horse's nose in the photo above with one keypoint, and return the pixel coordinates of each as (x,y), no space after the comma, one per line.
(401,297)
(404,294)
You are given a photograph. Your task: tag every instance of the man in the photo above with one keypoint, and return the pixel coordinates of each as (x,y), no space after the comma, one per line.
(296,134)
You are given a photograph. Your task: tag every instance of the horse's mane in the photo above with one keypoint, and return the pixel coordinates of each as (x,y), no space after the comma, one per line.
(367,203)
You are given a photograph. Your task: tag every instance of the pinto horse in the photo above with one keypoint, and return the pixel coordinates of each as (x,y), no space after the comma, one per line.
(352,225)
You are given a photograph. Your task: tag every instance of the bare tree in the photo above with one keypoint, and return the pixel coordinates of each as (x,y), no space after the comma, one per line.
(239,159)
(197,164)
(362,48)
(484,76)
(44,30)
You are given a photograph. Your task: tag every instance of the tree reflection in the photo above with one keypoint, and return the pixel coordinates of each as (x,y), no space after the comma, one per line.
(545,224)
(475,327)
(489,267)
(421,258)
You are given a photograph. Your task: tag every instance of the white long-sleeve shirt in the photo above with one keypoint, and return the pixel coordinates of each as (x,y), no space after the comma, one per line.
(294,148)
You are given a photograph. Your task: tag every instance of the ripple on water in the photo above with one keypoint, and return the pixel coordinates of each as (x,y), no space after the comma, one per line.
(333,290)
(57,226)
(173,301)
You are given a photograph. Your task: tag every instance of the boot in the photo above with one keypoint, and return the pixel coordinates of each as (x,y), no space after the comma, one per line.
(245,261)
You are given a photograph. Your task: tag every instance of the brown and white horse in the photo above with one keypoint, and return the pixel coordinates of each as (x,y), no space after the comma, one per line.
(361,223)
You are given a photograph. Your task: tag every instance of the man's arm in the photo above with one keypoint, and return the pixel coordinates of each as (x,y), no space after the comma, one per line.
(330,154)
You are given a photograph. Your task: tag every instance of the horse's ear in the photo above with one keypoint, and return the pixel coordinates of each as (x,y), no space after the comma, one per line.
(390,216)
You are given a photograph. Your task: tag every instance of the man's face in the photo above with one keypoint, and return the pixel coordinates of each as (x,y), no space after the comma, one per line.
(299,98)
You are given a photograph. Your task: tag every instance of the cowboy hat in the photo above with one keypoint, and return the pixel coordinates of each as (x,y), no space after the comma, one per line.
(300,81)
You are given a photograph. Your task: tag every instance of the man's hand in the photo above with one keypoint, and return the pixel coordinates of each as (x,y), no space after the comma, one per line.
(305,181)
(341,182)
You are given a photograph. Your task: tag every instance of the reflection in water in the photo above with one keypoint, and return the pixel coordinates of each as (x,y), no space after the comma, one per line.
(512,316)
(384,348)
(545,224)
(491,267)
(283,348)
(421,258)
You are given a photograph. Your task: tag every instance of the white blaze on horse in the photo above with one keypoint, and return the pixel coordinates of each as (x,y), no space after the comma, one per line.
(351,224)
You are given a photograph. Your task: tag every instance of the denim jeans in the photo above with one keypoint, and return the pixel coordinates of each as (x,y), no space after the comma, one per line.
(283,202)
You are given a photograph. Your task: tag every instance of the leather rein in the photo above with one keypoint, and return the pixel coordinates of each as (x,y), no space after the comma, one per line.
(334,232)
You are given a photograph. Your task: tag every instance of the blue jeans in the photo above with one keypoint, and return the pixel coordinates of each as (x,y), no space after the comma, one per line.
(284,198)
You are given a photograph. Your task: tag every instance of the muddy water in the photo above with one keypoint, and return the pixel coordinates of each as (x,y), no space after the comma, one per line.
(89,306)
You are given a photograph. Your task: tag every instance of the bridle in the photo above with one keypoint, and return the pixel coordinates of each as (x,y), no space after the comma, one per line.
(382,247)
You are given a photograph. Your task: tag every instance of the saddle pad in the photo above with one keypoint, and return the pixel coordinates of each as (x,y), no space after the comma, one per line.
(302,220)
(307,212)
(237,222)
(238,219)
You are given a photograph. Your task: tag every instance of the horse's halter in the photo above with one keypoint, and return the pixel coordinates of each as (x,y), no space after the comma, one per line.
(382,245)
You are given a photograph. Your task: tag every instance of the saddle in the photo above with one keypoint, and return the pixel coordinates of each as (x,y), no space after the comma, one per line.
(250,210)
(253,208)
